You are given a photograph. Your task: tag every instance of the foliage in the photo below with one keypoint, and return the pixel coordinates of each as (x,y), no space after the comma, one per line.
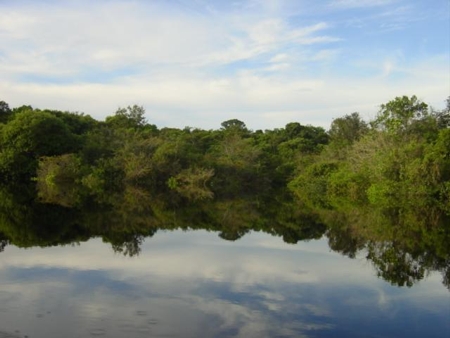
(30,135)
(192,183)
(5,112)
(130,117)
(58,178)
(399,115)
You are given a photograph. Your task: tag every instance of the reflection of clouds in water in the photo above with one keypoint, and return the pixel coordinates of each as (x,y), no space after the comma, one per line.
(255,316)
(317,311)
(272,296)
(241,265)
(272,306)
(177,288)
(4,334)
(97,302)
(383,299)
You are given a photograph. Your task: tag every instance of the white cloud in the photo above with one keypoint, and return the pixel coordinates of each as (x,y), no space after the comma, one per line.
(388,66)
(105,36)
(326,55)
(279,58)
(201,66)
(263,102)
(359,3)
(110,35)
(277,67)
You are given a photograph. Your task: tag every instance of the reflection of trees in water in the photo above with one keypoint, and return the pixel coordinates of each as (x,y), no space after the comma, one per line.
(3,242)
(404,268)
(123,218)
(395,265)
(404,245)
(446,274)
(343,241)
(25,222)
(308,228)
(126,244)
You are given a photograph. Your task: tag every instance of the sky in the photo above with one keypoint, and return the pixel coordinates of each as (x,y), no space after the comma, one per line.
(198,63)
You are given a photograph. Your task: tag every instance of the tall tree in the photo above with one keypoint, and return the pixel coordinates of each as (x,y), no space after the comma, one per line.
(398,115)
(5,112)
(348,129)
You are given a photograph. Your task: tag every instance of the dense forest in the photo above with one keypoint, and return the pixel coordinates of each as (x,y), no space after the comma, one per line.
(380,185)
(402,155)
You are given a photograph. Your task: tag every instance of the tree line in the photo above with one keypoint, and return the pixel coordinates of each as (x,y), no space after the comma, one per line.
(52,146)
(402,155)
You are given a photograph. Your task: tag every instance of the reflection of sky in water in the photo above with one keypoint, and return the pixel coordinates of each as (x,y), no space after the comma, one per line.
(197,285)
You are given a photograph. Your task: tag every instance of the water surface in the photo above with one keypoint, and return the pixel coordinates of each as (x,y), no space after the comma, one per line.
(195,284)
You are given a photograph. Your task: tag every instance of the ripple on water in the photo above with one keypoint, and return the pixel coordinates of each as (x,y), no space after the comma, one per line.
(97,332)
(141,313)
(4,334)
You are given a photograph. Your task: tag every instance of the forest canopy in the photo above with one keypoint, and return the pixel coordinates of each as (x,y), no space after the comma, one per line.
(381,185)
(401,155)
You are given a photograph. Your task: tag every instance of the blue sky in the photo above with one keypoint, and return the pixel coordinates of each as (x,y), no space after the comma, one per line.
(197,63)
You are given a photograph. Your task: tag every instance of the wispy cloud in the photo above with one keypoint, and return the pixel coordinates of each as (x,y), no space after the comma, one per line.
(199,63)
(113,35)
(359,3)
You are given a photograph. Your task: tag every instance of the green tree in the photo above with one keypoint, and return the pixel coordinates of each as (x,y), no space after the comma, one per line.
(131,117)
(443,116)
(234,125)
(78,123)
(5,112)
(398,115)
(30,135)
(344,131)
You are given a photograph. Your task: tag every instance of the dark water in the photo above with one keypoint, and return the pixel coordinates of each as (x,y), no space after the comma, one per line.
(195,284)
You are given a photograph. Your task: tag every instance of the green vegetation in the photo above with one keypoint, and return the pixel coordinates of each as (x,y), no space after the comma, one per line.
(382,186)
(401,157)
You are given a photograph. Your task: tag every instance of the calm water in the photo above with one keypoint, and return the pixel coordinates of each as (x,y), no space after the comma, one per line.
(195,284)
